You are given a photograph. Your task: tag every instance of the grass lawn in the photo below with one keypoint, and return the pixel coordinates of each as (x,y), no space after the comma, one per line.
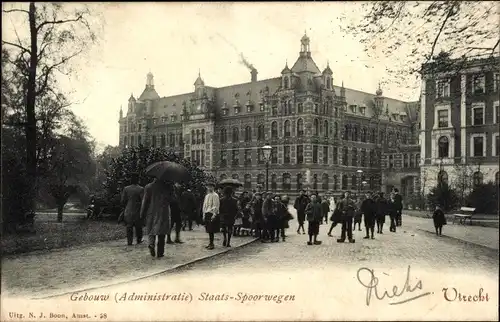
(73,231)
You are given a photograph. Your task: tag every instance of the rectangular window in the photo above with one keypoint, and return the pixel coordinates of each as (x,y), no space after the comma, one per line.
(335,156)
(235,157)
(496,115)
(274,155)
(478,82)
(248,157)
(478,146)
(198,157)
(496,147)
(477,115)
(496,82)
(442,118)
(286,154)
(260,156)
(325,155)
(223,158)
(315,154)
(442,88)
(193,156)
(300,154)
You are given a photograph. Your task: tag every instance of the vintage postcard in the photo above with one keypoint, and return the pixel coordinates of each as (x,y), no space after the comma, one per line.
(250,161)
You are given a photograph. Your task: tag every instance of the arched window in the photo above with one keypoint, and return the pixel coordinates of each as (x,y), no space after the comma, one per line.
(223,136)
(381,136)
(328,83)
(443,147)
(236,133)
(247,184)
(300,128)
(316,127)
(354,157)
(412,161)
(344,182)
(417,159)
(325,128)
(198,137)
(363,134)
(335,130)
(363,158)
(193,137)
(299,182)
(139,140)
(355,133)
(274,130)
(300,108)
(285,82)
(222,177)
(477,178)
(235,176)
(372,158)
(171,139)
(442,177)
(287,129)
(261,133)
(354,182)
(248,134)
(287,183)
(347,132)
(202,136)
(324,182)
(373,136)
(132,140)
(345,156)
(153,141)
(404,139)
(274,182)
(335,183)
(125,141)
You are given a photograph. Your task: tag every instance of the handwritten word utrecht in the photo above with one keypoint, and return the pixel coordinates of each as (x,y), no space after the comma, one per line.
(452,294)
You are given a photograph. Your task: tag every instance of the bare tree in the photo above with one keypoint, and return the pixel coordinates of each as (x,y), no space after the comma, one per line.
(463,180)
(52,35)
(418,31)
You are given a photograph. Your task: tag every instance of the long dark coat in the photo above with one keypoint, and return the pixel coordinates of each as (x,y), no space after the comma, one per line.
(132,198)
(188,205)
(300,205)
(382,209)
(369,210)
(228,209)
(314,211)
(155,208)
(439,218)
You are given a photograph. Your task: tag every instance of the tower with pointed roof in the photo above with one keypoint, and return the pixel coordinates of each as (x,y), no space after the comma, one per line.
(131,104)
(327,77)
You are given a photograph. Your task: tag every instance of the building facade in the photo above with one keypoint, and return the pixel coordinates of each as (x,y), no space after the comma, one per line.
(459,123)
(323,136)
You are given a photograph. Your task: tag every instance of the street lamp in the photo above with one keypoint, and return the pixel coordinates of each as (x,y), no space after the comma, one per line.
(266,150)
(360,172)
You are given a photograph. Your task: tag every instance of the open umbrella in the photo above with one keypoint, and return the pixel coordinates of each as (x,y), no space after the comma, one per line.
(166,170)
(229,182)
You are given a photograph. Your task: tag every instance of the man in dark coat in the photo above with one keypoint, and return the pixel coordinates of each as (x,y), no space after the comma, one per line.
(257,219)
(300,205)
(228,209)
(188,209)
(347,207)
(382,210)
(325,209)
(398,203)
(369,210)
(132,198)
(314,215)
(175,218)
(270,218)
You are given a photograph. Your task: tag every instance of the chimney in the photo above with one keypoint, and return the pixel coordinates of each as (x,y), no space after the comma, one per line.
(254,74)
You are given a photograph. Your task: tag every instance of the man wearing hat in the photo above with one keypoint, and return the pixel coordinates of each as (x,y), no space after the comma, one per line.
(300,205)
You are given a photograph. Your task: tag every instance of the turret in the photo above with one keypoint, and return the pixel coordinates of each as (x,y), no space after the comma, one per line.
(327,76)
(131,104)
(286,78)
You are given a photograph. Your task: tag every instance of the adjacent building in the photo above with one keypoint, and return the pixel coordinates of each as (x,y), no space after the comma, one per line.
(459,123)
(323,136)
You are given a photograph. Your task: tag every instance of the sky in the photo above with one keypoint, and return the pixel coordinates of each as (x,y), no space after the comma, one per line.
(176,41)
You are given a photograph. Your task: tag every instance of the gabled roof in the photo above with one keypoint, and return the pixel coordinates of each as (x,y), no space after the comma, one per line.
(305,64)
(149,93)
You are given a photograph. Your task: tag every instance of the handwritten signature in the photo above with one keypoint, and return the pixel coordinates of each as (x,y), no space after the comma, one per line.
(366,274)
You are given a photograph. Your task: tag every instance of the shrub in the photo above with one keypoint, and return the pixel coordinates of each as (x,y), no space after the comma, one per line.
(484,198)
(444,196)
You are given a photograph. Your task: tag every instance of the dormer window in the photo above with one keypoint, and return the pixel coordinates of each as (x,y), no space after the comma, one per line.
(403,117)
(362,110)
(286,82)
(236,110)
(261,104)
(353,108)
(395,116)
(249,107)
(442,88)
(224,109)
(172,118)
(478,84)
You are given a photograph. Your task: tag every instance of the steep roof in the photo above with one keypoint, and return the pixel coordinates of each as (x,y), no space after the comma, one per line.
(305,64)
(149,93)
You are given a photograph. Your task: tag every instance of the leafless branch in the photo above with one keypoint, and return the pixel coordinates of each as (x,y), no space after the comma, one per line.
(22,48)
(49,70)
(495,47)
(58,22)
(448,15)
(15,10)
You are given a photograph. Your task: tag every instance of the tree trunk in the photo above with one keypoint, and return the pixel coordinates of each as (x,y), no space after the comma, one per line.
(60,208)
(30,112)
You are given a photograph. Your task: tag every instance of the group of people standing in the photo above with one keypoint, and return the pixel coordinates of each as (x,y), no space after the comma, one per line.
(263,215)
(374,207)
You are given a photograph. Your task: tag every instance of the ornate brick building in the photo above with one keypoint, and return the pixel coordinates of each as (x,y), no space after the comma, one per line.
(321,134)
(459,123)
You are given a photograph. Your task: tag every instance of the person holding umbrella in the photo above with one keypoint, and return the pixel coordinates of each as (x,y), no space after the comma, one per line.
(211,213)
(155,208)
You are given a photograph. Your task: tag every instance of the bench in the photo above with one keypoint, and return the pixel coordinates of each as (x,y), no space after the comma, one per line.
(466,213)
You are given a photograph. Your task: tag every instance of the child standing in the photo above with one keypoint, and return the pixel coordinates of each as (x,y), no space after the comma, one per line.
(439,220)
(357,215)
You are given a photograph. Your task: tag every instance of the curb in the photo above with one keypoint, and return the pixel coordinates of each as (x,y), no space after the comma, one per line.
(174,268)
(460,240)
